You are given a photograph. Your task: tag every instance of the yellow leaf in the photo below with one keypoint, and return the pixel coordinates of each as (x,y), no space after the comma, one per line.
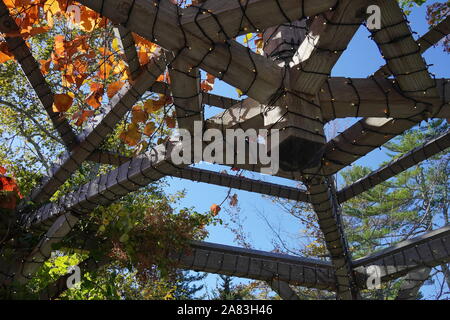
(62,102)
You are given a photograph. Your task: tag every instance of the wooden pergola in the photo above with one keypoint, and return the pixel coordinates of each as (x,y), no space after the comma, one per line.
(288,88)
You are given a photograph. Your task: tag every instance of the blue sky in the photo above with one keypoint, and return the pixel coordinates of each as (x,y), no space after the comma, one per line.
(360,60)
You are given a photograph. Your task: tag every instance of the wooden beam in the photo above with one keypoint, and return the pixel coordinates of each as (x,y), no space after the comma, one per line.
(283,289)
(216,178)
(402,52)
(128,46)
(103,125)
(186,93)
(329,34)
(207,98)
(279,269)
(107,188)
(425,42)
(428,250)
(42,251)
(412,283)
(377,97)
(32,71)
(242,183)
(258,265)
(230,61)
(367,135)
(219,20)
(328,211)
(408,160)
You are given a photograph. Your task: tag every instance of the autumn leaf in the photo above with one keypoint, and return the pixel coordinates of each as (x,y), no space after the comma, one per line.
(5,54)
(138,115)
(82,116)
(149,129)
(95,98)
(131,136)
(62,102)
(45,66)
(234,200)
(170,121)
(2,170)
(215,209)
(247,37)
(114,87)
(208,84)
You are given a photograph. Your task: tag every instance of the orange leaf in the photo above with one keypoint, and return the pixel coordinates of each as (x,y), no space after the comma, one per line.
(104,70)
(131,136)
(45,65)
(170,121)
(5,54)
(95,98)
(149,129)
(81,116)
(62,102)
(113,88)
(2,170)
(215,209)
(138,114)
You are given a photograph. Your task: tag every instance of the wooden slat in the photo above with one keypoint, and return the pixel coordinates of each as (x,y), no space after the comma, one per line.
(412,283)
(329,35)
(128,46)
(242,183)
(410,159)
(185,87)
(425,42)
(429,250)
(375,97)
(232,18)
(258,265)
(32,71)
(229,260)
(402,53)
(102,125)
(283,289)
(230,61)
(321,190)
(215,178)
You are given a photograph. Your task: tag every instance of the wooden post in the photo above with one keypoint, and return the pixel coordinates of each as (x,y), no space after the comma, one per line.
(296,115)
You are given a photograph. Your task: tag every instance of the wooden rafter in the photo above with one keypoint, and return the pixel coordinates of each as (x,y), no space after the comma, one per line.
(128,46)
(375,97)
(329,35)
(216,178)
(425,42)
(259,265)
(185,87)
(230,61)
(403,163)
(402,53)
(428,250)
